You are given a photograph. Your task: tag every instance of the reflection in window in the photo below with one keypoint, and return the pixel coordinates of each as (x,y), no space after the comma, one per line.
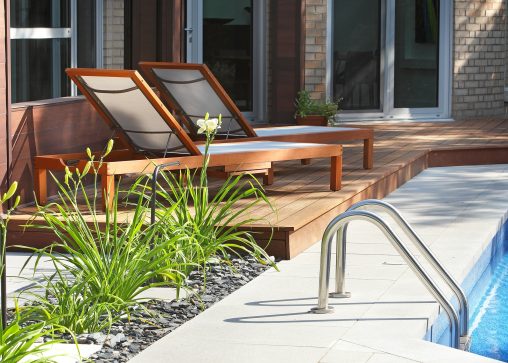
(38,69)
(356,54)
(227,47)
(416,53)
(41,49)
(40,14)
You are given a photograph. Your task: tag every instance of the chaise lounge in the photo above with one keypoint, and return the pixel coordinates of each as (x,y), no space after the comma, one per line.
(189,88)
(152,137)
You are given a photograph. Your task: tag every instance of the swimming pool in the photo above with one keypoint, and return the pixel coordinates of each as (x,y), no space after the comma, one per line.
(489,299)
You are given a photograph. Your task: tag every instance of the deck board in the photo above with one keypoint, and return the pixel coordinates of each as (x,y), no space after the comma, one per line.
(300,193)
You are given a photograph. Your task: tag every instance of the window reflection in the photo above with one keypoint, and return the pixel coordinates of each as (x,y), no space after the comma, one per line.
(227,47)
(356,54)
(416,53)
(40,14)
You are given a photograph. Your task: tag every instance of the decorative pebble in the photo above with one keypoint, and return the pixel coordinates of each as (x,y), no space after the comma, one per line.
(128,337)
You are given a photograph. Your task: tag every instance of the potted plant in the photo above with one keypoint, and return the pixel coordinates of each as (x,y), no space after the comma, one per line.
(312,112)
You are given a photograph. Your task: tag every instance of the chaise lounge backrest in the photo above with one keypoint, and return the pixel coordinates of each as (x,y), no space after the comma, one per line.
(189,88)
(132,109)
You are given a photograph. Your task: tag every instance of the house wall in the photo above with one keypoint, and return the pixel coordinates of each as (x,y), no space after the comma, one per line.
(155,31)
(479,58)
(64,126)
(71,125)
(114,43)
(315,48)
(285,58)
(53,126)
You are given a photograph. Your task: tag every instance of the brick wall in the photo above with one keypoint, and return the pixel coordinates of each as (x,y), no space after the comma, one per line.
(479,58)
(315,48)
(113,34)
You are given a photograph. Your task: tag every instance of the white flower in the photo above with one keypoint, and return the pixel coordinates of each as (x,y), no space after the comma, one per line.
(208,125)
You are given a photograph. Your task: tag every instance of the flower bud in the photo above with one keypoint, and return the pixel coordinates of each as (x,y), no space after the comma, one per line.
(109,147)
(11,191)
(86,169)
(67,175)
(16,201)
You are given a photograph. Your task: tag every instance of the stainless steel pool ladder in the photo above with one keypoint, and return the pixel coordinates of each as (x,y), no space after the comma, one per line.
(339,227)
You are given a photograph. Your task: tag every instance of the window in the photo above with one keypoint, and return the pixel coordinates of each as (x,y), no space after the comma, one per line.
(48,36)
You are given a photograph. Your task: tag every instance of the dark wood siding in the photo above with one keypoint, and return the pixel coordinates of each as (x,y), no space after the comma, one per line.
(285,59)
(55,128)
(153,31)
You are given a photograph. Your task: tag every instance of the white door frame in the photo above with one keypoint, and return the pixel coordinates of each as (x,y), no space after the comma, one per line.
(194,46)
(443,111)
(194,31)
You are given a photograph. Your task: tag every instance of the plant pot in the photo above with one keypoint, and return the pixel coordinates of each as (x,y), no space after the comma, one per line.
(312,120)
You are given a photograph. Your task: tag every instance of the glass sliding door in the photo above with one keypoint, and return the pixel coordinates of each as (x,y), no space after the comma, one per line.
(392,58)
(357,54)
(416,54)
(227,36)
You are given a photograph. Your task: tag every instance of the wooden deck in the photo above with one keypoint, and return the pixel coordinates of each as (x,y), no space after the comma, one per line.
(300,194)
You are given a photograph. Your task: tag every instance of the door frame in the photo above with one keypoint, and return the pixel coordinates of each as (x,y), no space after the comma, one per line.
(194,51)
(388,112)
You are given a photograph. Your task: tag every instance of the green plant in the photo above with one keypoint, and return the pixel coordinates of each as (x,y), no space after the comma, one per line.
(101,268)
(210,226)
(19,342)
(4,221)
(305,106)
(23,340)
(19,338)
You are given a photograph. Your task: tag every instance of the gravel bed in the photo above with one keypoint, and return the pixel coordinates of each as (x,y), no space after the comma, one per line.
(128,338)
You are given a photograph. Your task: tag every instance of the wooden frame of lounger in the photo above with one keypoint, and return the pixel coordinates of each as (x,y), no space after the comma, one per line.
(328,136)
(132,161)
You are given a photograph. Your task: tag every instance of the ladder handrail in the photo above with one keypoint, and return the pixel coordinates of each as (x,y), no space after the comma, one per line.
(324,273)
(370,204)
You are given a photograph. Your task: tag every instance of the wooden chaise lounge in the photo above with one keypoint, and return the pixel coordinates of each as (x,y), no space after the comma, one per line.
(153,137)
(187,89)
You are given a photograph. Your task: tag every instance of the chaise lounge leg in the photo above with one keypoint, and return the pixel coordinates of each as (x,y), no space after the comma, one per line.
(268,177)
(336,173)
(41,185)
(108,191)
(368,153)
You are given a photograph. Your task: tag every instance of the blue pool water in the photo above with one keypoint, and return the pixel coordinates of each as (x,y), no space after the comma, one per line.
(489,322)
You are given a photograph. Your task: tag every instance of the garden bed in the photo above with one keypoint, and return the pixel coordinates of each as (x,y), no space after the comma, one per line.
(129,337)
(102,273)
